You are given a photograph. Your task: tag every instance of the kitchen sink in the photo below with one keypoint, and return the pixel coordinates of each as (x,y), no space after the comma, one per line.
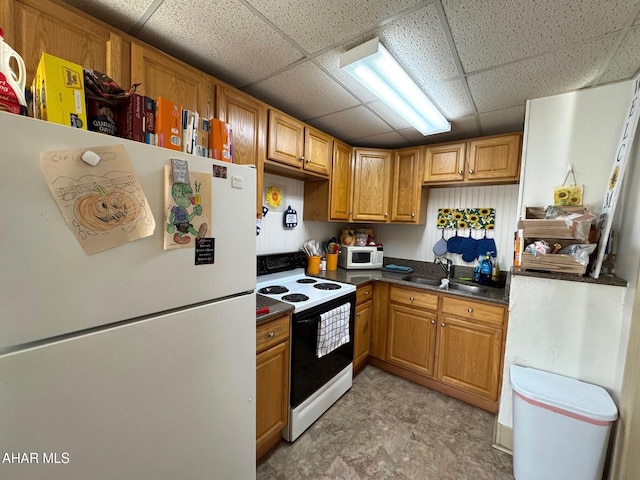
(463,287)
(422,280)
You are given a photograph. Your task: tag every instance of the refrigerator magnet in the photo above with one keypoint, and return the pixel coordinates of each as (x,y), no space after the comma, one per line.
(290,218)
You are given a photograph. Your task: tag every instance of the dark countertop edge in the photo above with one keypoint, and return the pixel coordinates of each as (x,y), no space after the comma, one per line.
(607,279)
(276,308)
(429,269)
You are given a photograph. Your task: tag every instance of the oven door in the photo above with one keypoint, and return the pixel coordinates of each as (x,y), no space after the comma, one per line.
(308,372)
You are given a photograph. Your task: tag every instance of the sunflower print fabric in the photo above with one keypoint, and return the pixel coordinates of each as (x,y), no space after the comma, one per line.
(472,218)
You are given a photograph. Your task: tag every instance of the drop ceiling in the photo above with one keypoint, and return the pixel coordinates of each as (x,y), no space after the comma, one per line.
(478,60)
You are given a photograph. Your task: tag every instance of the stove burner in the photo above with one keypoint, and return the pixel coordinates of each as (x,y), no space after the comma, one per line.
(327,286)
(306,280)
(273,290)
(295,297)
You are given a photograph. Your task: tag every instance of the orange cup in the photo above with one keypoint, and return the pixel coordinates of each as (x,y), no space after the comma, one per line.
(313,265)
(332,261)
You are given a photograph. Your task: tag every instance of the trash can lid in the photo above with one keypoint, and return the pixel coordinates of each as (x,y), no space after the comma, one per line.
(566,393)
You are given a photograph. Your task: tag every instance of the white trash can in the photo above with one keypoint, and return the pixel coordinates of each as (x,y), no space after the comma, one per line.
(561,426)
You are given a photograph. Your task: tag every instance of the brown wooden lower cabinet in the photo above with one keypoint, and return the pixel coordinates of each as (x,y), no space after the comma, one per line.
(362,335)
(272,382)
(448,343)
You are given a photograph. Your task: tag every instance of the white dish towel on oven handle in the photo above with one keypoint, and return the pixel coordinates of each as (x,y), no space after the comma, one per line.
(333,329)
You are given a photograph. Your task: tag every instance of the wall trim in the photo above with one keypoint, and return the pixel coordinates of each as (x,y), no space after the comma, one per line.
(503,438)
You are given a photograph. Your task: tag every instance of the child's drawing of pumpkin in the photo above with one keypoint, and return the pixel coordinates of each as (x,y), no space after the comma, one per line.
(104,210)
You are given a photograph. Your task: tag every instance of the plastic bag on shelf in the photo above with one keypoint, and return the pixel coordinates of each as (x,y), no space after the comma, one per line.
(580,252)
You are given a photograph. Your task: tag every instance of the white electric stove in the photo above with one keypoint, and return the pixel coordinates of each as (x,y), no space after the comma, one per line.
(317,382)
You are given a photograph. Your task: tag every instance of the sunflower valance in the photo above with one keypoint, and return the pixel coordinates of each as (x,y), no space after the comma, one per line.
(467,218)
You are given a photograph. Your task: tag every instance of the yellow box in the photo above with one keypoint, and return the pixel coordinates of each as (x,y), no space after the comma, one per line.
(58,89)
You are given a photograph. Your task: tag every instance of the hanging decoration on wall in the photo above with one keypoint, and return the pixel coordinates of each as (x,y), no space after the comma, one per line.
(568,195)
(467,218)
(274,197)
(290,218)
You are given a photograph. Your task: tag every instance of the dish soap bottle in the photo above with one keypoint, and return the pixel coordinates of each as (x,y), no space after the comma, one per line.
(11,83)
(485,269)
(495,273)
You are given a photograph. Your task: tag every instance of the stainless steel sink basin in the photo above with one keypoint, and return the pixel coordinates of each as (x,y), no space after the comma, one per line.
(463,287)
(422,280)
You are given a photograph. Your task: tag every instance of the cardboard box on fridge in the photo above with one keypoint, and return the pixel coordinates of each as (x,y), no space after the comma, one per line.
(58,89)
(220,140)
(168,124)
(130,118)
(149,121)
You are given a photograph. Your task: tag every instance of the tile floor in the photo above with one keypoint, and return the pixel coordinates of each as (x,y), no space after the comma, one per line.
(386,427)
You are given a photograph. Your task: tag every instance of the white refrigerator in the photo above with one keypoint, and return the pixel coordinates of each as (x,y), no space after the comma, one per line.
(131,363)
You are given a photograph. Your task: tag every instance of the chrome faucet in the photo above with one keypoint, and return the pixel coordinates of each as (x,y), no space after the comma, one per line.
(446,264)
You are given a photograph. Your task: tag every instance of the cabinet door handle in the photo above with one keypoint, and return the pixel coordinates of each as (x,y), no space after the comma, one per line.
(272,334)
(385,215)
(471,170)
(358,315)
(442,325)
(470,310)
(459,172)
(413,215)
(302,159)
(433,322)
(308,160)
(411,298)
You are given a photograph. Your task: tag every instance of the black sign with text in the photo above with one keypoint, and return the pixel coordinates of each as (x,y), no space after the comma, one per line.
(205,251)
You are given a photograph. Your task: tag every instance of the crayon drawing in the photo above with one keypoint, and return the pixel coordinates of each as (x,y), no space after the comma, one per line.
(104,204)
(187,210)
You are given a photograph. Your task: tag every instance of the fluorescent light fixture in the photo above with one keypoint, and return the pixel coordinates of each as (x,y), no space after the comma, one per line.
(373,66)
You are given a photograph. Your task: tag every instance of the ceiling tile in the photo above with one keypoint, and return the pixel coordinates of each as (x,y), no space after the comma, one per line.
(501,121)
(626,62)
(389,115)
(122,14)
(418,43)
(493,32)
(451,98)
(352,123)
(219,45)
(304,91)
(317,25)
(572,68)
(384,140)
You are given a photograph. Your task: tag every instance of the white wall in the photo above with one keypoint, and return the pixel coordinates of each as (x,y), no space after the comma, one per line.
(571,328)
(274,237)
(416,242)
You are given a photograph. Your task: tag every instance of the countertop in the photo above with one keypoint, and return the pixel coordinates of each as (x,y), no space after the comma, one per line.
(427,269)
(276,308)
(361,277)
(431,270)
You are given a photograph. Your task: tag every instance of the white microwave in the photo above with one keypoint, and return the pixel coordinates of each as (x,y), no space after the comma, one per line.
(354,257)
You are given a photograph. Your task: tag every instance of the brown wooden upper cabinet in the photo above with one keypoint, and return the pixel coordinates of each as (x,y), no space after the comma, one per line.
(482,161)
(341,182)
(371,182)
(406,191)
(35,26)
(160,75)
(298,146)
(248,119)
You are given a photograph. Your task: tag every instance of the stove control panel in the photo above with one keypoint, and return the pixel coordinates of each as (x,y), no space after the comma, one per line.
(280,262)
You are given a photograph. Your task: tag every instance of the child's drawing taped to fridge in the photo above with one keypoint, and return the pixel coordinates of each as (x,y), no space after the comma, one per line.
(100,198)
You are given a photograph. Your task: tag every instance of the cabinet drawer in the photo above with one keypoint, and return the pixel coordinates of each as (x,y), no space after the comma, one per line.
(475,310)
(414,298)
(272,333)
(364,293)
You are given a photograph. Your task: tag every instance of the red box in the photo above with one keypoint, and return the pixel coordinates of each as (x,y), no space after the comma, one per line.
(131,118)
